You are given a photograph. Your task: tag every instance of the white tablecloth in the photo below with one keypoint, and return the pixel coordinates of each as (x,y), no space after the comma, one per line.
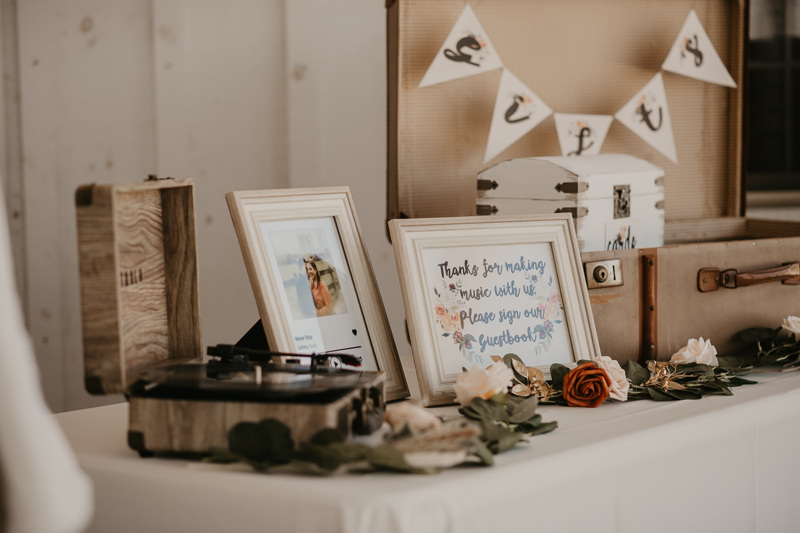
(718,464)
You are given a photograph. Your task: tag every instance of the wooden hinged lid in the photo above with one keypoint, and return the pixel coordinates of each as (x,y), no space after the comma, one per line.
(579,56)
(138,273)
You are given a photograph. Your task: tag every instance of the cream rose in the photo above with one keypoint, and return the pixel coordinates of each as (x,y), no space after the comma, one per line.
(482,382)
(416,418)
(618,390)
(696,351)
(792,323)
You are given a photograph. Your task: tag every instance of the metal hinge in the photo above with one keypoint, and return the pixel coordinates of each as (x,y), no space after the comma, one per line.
(487,210)
(577,212)
(573,187)
(660,181)
(660,204)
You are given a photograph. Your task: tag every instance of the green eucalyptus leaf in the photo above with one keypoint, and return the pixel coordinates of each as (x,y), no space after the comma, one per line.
(730,362)
(736,381)
(484,453)
(326,457)
(506,442)
(530,425)
(327,436)
(636,373)
(659,396)
(524,411)
(583,362)
(267,441)
(685,394)
(754,335)
(388,458)
(557,374)
(547,427)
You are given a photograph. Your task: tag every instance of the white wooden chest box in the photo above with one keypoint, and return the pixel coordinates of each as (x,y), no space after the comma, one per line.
(617,200)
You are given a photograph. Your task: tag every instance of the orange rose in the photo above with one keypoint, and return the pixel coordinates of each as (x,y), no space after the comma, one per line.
(586,386)
(440,310)
(451,322)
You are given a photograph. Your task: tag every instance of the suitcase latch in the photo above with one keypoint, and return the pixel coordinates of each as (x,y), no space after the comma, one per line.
(602,274)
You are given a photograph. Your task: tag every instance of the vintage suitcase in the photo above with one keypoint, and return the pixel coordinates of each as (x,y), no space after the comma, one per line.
(584,56)
(617,200)
(140,311)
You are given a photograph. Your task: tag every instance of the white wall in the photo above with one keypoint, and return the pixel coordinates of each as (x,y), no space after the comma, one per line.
(237,94)
(115,90)
(336,56)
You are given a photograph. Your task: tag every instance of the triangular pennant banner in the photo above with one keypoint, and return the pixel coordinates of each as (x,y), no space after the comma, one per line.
(466,51)
(517,111)
(694,56)
(647,115)
(581,134)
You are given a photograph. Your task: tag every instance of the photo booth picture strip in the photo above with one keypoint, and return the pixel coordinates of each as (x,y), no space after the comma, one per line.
(517,110)
(581,134)
(647,115)
(466,51)
(694,56)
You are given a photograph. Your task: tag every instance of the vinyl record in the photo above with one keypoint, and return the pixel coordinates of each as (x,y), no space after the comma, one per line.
(277,382)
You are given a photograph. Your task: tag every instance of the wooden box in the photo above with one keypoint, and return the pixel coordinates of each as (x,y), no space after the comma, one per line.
(616,200)
(140,310)
(585,56)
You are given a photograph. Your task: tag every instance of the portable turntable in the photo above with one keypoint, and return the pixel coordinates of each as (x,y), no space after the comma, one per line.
(141,335)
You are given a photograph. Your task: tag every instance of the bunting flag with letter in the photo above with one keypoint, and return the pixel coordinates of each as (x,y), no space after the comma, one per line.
(517,110)
(581,134)
(694,56)
(465,52)
(647,115)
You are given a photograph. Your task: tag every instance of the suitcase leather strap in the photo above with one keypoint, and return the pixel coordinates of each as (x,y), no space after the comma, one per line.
(711,279)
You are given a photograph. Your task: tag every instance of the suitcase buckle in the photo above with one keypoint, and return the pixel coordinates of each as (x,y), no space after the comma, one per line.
(727,278)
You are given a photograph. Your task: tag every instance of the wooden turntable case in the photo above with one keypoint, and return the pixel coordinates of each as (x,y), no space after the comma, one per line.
(140,310)
(587,56)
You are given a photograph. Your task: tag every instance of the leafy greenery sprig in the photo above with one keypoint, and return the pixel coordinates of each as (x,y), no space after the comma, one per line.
(762,346)
(505,420)
(269,444)
(689,381)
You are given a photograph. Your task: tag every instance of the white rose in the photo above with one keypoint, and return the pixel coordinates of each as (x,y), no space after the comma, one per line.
(696,351)
(619,381)
(792,323)
(482,382)
(406,413)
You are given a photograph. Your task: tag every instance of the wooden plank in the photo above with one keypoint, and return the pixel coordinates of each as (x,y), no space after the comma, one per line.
(180,252)
(99,297)
(142,281)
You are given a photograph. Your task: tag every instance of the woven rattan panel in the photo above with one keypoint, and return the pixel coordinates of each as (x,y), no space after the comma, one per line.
(579,56)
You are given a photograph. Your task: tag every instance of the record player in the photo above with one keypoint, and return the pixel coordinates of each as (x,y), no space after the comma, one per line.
(141,335)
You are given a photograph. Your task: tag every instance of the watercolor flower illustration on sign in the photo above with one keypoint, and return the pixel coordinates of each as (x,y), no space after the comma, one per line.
(448,315)
(549,309)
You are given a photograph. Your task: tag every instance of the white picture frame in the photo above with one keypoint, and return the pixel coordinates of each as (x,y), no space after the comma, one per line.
(280,232)
(549,293)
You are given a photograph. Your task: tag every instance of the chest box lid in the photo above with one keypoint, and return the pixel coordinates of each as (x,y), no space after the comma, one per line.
(578,56)
(138,275)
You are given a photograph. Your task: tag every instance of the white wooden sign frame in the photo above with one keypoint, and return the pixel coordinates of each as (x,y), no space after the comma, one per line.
(250,208)
(412,237)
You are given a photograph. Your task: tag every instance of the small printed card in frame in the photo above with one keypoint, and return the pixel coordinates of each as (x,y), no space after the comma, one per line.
(313,282)
(474,288)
